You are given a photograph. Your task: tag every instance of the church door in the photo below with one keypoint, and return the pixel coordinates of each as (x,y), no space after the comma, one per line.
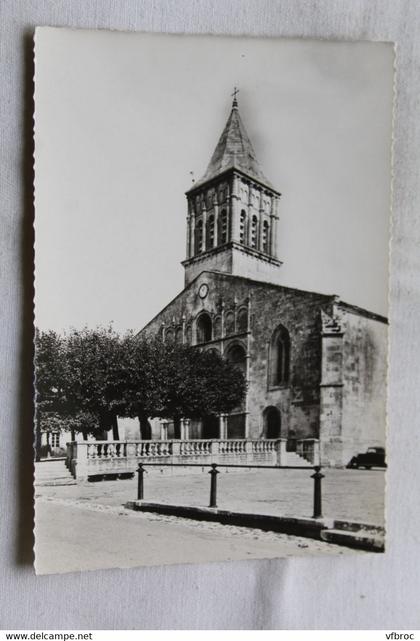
(272,422)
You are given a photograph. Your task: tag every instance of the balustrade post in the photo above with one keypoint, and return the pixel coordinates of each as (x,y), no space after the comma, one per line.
(214,450)
(140,482)
(317,477)
(176,448)
(81,463)
(281,454)
(213,485)
(249,452)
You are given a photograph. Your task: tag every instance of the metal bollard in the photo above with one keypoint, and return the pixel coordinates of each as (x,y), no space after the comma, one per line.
(140,483)
(317,477)
(213,485)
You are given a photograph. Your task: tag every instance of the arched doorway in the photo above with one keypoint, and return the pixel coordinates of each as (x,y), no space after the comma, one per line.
(272,422)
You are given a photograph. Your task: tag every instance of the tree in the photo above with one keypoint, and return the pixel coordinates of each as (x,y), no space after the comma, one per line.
(50,372)
(96,376)
(200,384)
(148,364)
(79,377)
(88,378)
(50,382)
(174,381)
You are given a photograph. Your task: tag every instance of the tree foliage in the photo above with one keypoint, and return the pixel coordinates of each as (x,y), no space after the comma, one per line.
(50,376)
(89,377)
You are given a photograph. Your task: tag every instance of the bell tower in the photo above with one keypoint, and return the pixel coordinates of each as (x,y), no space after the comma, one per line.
(233,212)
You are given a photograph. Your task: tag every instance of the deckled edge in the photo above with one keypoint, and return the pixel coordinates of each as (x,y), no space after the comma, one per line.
(35,433)
(390,315)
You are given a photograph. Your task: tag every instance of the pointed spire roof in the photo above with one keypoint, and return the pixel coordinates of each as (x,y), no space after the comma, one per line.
(234,151)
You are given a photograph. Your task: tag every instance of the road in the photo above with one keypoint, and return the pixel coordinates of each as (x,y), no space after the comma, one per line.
(72,535)
(86,526)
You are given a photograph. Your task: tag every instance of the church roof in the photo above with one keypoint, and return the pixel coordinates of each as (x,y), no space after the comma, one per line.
(234,151)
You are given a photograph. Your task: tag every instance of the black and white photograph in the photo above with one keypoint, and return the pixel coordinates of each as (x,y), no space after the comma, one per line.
(212,228)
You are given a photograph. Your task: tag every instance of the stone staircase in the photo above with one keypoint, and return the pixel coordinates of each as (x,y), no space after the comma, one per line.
(53,472)
(295,460)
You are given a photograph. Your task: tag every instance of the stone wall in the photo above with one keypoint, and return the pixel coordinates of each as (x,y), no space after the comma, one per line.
(256,266)
(298,401)
(219,259)
(353,383)
(270,305)
(338,355)
(365,384)
(237,260)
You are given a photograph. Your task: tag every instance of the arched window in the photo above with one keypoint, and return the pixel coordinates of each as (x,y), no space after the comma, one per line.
(204,328)
(254,232)
(242,227)
(236,355)
(199,237)
(209,198)
(169,336)
(210,232)
(222,193)
(264,239)
(242,322)
(179,336)
(218,327)
(188,334)
(279,357)
(224,227)
(229,323)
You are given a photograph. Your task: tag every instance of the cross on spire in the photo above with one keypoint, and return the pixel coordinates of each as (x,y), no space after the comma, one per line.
(235,93)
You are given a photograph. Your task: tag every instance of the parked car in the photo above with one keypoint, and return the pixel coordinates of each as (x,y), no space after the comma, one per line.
(373,457)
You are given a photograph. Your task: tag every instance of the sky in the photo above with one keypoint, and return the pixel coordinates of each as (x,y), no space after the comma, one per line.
(121,119)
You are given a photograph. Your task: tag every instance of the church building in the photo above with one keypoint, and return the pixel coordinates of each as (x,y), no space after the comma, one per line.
(316,366)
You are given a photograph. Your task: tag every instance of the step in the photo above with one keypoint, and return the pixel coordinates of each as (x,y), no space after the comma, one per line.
(295,459)
(51,474)
(362,539)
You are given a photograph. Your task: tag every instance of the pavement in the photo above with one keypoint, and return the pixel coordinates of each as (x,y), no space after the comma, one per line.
(86,526)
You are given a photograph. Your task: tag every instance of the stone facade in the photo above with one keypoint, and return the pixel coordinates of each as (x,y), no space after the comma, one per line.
(354,379)
(315,366)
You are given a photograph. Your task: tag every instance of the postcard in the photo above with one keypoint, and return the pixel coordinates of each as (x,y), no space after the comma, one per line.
(211,297)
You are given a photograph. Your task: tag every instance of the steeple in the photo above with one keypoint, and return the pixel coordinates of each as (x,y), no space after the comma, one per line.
(232,211)
(234,150)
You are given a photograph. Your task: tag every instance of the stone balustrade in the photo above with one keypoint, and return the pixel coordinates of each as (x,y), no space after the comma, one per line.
(86,459)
